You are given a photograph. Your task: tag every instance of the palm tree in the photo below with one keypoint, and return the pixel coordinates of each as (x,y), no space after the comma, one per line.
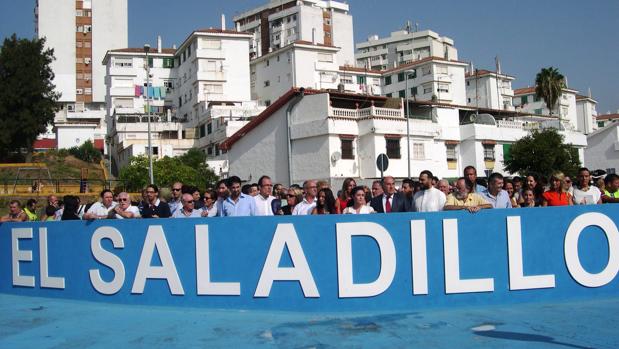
(548,85)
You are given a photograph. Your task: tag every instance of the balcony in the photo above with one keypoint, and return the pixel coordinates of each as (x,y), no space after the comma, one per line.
(366,112)
(212,75)
(122,91)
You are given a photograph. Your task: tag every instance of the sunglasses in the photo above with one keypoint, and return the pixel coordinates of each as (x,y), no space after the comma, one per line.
(208,198)
(123,199)
(176,189)
(189,202)
(290,195)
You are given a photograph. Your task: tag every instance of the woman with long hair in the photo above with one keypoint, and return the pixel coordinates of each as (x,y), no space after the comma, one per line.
(325,202)
(345,196)
(557,194)
(359,205)
(508,186)
(532,183)
(294,196)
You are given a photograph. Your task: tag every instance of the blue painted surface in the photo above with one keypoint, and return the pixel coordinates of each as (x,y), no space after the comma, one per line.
(239,247)
(31,322)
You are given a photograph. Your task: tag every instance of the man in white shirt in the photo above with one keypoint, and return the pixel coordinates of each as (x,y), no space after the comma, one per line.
(124,209)
(306,206)
(187,210)
(264,199)
(429,199)
(100,210)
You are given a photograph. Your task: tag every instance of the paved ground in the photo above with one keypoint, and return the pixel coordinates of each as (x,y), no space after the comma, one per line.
(27,322)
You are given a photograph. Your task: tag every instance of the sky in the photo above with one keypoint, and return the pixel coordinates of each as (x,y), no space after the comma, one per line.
(577,37)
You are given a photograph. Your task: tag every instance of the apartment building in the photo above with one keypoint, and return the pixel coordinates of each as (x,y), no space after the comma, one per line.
(80,32)
(403,46)
(489,89)
(198,95)
(282,22)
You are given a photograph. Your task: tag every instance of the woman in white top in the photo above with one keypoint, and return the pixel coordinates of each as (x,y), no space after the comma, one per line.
(585,194)
(359,203)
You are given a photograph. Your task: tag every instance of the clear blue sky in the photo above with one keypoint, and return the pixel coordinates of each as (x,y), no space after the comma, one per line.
(578,37)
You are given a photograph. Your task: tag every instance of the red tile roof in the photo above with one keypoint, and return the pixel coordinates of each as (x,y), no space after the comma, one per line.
(360,70)
(482,72)
(45,143)
(607,117)
(524,91)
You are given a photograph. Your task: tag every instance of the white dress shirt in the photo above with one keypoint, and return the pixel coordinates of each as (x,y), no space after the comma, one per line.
(263,205)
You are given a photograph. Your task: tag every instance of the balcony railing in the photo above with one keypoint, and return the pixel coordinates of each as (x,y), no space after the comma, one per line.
(366,112)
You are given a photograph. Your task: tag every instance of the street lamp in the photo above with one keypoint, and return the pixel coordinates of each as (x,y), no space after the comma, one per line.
(408,135)
(150,147)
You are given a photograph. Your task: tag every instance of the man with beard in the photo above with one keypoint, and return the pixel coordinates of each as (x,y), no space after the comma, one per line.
(464,199)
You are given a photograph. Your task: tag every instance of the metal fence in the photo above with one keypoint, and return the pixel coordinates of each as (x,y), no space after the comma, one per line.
(58,186)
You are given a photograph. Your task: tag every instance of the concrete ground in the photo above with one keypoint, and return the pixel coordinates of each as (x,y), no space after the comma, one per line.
(27,322)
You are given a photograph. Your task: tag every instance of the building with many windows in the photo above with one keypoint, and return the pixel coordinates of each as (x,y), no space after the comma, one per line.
(282,22)
(403,46)
(80,33)
(489,89)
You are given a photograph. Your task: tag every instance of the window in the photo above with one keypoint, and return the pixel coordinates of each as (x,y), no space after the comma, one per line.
(202,131)
(361,80)
(155,150)
(393,148)
(451,152)
(123,63)
(214,88)
(426,70)
(427,88)
(209,128)
(123,103)
(601,124)
(150,62)
(400,77)
(168,62)
(78,44)
(402,93)
(189,51)
(443,88)
(389,95)
(79,13)
(524,100)
(347,148)
(210,66)
(267,83)
(209,151)
(87,28)
(441,69)
(419,151)
(87,44)
(414,91)
(489,152)
(538,111)
(88,91)
(387,80)
(79,91)
(183,56)
(536,98)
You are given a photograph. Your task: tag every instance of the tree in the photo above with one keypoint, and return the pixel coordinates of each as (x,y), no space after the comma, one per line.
(548,85)
(186,169)
(27,97)
(542,152)
(86,152)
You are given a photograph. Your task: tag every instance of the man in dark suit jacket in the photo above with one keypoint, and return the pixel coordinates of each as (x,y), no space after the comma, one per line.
(390,201)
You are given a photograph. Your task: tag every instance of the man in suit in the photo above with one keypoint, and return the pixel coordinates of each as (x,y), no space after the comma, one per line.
(390,201)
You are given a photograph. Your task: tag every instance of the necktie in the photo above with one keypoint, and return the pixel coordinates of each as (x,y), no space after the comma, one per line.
(388,204)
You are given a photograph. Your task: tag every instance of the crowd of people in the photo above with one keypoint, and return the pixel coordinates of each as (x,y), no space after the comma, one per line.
(427,194)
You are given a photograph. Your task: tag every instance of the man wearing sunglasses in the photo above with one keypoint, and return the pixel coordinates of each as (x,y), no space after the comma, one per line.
(187,210)
(175,201)
(124,209)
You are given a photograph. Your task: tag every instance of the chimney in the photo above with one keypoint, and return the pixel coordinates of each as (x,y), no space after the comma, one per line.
(174,46)
(158,43)
(223,22)
(238,26)
(314,36)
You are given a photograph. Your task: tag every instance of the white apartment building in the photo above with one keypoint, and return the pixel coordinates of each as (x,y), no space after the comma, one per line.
(334,135)
(282,22)
(308,65)
(487,89)
(199,95)
(603,148)
(525,100)
(403,46)
(429,79)
(81,32)
(603,120)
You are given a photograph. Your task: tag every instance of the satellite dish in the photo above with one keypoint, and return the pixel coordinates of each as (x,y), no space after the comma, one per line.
(336,156)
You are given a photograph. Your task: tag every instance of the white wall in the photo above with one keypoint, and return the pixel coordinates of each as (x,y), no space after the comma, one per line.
(109,31)
(343,37)
(603,149)
(75,135)
(57,25)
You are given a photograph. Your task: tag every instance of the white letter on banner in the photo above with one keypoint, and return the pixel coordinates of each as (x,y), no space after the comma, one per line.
(21,256)
(155,239)
(517,280)
(203,269)
(453,283)
(108,259)
(571,249)
(46,280)
(286,236)
(419,257)
(347,287)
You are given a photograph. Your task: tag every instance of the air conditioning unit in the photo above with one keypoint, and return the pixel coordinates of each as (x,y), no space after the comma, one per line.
(87,61)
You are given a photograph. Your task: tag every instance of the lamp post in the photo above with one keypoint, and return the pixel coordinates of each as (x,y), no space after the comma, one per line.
(150,147)
(408,135)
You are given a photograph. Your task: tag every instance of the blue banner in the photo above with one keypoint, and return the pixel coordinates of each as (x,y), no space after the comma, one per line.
(320,263)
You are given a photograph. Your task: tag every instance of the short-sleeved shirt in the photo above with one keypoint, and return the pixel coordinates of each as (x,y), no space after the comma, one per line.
(304,208)
(589,197)
(133,209)
(614,195)
(554,198)
(502,199)
(472,200)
